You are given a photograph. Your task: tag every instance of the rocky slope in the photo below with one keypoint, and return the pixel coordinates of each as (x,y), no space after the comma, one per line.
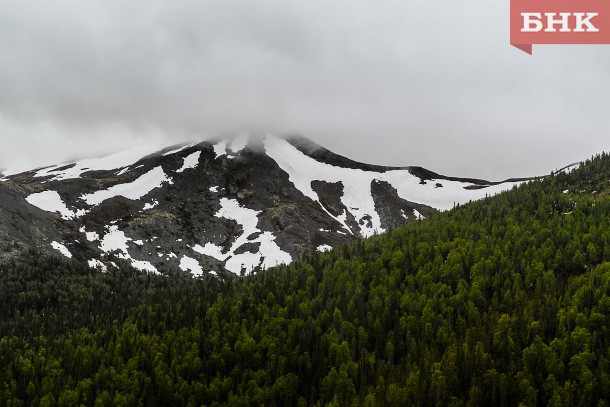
(227,205)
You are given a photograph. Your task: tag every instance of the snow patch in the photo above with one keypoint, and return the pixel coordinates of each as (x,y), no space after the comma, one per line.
(118,160)
(341,219)
(116,241)
(231,209)
(302,170)
(133,190)
(324,248)
(269,253)
(151,205)
(62,249)
(239,143)
(177,150)
(94,264)
(211,250)
(220,148)
(190,161)
(144,266)
(50,201)
(192,265)
(214,189)
(91,236)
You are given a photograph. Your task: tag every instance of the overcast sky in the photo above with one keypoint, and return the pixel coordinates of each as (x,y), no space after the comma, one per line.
(398,82)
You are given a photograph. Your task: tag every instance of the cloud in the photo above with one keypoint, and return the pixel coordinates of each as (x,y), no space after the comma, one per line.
(375,80)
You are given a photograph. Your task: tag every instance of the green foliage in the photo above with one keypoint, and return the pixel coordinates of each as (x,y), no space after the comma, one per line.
(504,301)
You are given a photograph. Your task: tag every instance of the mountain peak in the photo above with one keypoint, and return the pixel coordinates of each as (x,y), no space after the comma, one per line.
(237,203)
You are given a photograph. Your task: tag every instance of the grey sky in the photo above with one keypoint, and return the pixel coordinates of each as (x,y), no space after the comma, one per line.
(371,79)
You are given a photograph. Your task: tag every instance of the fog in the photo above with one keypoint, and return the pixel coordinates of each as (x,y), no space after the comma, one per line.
(431,83)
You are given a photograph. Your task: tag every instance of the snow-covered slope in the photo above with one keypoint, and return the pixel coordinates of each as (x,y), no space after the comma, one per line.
(357,192)
(238,204)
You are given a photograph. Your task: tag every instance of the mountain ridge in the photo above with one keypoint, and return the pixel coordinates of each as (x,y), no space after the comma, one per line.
(237,204)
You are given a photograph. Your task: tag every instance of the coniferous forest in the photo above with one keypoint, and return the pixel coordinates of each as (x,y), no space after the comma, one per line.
(500,302)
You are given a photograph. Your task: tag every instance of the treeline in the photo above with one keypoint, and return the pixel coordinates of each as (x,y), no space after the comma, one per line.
(503,302)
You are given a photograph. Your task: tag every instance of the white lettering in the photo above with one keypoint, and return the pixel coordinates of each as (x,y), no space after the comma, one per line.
(580,22)
(551,22)
(530,19)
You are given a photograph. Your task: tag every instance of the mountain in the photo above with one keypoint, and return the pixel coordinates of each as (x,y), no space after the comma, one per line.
(501,302)
(237,204)
(22,225)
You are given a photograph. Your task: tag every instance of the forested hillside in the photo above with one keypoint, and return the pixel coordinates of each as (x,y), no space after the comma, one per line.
(503,301)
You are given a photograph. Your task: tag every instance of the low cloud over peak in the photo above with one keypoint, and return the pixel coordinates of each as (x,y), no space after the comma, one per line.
(378,82)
